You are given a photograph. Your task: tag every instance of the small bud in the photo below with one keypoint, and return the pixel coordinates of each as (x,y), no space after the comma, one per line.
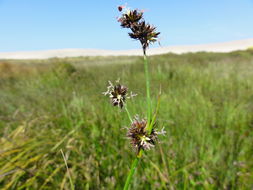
(120,8)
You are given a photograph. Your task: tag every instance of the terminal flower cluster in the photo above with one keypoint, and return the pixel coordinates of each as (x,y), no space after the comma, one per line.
(140,30)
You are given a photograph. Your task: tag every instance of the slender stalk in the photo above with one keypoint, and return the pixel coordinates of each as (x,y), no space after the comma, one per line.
(149,108)
(128,114)
(149,111)
(131,173)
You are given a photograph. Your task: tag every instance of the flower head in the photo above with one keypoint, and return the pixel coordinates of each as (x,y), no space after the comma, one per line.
(145,33)
(139,136)
(118,94)
(130,18)
(141,31)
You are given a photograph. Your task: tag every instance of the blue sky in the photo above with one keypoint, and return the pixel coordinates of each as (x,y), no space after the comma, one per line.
(55,24)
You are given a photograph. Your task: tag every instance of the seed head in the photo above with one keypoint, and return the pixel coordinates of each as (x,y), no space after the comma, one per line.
(130,18)
(140,30)
(118,94)
(139,136)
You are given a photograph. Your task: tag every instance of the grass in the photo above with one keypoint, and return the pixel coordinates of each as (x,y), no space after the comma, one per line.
(53,105)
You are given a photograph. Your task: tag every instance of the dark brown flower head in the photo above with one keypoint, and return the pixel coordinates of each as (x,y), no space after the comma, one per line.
(140,30)
(118,94)
(145,33)
(130,18)
(139,136)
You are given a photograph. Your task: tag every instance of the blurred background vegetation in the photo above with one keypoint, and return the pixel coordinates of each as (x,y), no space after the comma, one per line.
(49,105)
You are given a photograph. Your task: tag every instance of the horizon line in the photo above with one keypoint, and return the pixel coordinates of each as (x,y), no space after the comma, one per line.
(227,46)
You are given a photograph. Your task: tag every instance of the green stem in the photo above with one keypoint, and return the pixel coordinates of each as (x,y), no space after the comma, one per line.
(149,108)
(131,173)
(149,111)
(128,114)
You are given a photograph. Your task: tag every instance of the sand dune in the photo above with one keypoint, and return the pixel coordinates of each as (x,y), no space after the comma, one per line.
(215,47)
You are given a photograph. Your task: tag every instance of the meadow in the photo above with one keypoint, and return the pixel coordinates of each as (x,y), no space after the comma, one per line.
(57,104)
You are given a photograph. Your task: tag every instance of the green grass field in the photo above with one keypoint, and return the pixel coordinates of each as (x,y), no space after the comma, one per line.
(206,109)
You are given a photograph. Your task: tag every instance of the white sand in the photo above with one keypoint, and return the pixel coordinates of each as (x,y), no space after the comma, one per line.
(215,47)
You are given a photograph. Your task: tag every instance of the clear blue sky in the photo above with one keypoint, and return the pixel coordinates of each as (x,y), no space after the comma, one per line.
(56,24)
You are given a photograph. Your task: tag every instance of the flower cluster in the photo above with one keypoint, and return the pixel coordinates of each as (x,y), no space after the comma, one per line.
(139,136)
(142,31)
(118,94)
